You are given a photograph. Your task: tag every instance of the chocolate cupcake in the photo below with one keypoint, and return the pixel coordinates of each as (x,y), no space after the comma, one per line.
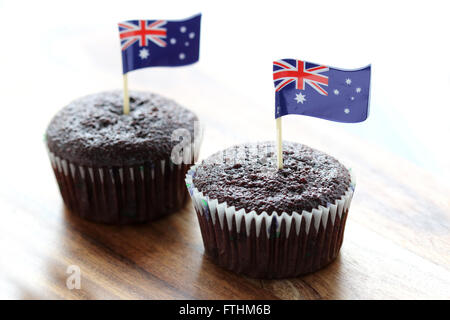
(269,223)
(116,168)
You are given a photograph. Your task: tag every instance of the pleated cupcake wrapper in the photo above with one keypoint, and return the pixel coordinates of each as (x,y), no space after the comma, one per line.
(270,245)
(127,194)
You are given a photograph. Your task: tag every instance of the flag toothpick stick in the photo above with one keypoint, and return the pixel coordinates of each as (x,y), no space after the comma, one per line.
(126,98)
(140,37)
(279,144)
(347,98)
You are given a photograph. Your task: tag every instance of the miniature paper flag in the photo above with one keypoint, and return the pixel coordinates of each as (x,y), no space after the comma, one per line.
(151,43)
(320,91)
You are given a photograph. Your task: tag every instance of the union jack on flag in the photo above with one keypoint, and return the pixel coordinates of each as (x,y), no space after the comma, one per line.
(151,43)
(143,32)
(301,75)
(321,91)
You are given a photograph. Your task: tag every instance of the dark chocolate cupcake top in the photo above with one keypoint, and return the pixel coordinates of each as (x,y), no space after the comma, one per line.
(246,177)
(94,131)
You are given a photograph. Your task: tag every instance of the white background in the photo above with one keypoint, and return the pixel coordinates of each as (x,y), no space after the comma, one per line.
(53,52)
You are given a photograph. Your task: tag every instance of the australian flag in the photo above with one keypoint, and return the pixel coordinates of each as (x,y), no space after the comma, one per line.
(151,43)
(320,91)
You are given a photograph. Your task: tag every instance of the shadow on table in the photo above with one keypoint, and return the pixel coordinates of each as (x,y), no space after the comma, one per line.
(323,284)
(138,261)
(130,258)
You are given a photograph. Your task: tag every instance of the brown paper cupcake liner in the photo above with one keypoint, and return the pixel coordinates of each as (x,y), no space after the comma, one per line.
(123,195)
(270,245)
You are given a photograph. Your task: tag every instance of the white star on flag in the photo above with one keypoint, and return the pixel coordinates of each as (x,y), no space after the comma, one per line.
(348,81)
(358,90)
(300,97)
(143,53)
(336,91)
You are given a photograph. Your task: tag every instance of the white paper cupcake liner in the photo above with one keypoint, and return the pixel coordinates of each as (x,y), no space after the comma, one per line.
(270,245)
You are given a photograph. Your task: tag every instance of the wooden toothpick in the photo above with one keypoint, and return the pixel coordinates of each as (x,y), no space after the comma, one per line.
(279,144)
(126,98)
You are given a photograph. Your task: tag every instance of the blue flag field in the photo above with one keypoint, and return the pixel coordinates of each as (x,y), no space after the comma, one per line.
(152,43)
(320,91)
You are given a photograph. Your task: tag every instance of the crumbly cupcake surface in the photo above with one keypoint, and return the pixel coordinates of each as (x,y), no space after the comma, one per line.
(246,177)
(94,131)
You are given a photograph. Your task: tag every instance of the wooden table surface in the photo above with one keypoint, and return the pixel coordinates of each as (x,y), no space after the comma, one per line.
(396,245)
